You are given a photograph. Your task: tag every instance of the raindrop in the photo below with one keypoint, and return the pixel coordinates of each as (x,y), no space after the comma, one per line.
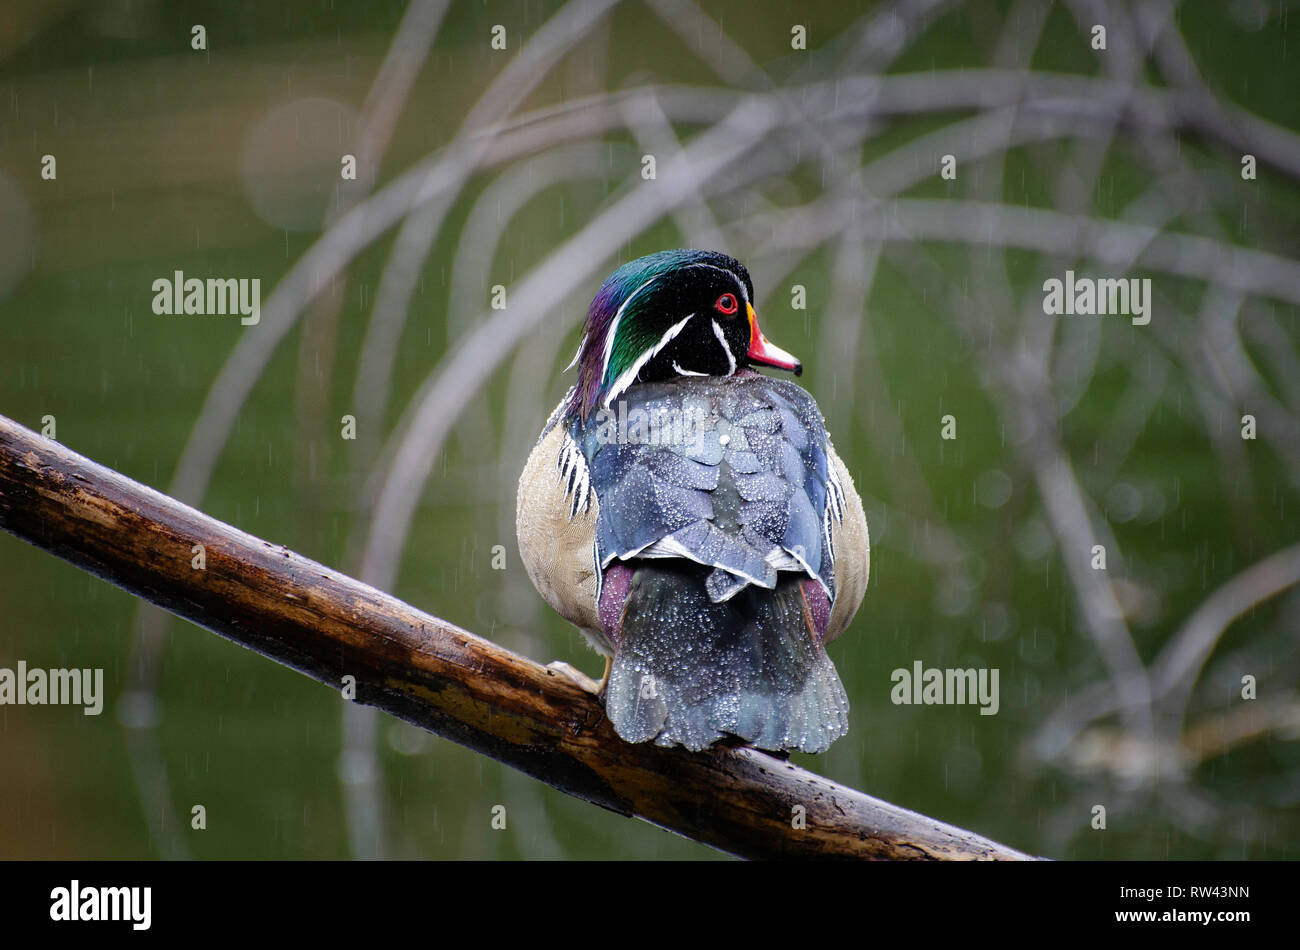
(290,162)
(1033,541)
(1123,502)
(18,236)
(993,488)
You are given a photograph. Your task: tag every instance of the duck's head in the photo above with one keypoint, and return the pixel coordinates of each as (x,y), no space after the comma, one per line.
(675,313)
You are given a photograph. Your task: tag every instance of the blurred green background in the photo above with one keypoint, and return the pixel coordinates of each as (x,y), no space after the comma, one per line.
(225,162)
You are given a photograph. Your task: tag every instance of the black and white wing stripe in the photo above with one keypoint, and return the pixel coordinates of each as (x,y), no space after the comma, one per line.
(571,465)
(575,475)
(834,512)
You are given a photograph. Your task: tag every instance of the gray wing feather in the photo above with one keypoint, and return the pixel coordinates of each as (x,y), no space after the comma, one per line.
(742,483)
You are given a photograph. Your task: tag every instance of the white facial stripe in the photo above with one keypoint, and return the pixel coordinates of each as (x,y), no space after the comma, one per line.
(574,362)
(686,372)
(613,327)
(629,375)
(717,331)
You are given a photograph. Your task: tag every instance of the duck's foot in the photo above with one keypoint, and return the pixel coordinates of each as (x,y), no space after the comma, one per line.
(604,680)
(583,681)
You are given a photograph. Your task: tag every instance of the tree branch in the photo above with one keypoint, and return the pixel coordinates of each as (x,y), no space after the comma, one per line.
(437,676)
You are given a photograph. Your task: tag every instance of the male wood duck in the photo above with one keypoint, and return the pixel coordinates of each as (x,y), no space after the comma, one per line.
(690,516)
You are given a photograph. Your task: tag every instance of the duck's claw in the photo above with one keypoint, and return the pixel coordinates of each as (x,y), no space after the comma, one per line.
(583,681)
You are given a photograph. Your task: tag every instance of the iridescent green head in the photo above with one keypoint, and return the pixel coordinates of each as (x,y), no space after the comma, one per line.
(674,313)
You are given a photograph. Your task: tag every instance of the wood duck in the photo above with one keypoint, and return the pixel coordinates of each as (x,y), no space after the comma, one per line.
(690,516)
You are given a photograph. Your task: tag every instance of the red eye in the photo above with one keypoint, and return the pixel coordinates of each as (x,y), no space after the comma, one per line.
(727,304)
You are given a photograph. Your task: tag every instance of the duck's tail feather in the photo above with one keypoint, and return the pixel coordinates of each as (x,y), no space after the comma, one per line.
(689,671)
